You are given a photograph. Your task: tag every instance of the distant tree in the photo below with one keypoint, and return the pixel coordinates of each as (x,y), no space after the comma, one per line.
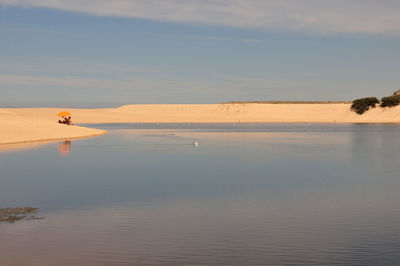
(390,101)
(362,105)
(396,93)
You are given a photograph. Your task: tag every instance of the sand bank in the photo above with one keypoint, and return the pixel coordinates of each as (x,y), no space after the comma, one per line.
(22,126)
(33,124)
(220,113)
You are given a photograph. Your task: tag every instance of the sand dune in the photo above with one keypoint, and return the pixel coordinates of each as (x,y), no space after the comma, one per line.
(32,124)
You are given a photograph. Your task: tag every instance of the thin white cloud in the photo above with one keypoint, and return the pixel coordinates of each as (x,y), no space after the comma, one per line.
(70,82)
(32,30)
(75,68)
(138,84)
(309,16)
(110,68)
(33,81)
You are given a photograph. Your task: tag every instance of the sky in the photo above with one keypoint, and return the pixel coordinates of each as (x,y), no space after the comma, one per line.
(106,53)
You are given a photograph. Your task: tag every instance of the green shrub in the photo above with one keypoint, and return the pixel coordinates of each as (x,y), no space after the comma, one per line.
(362,105)
(390,101)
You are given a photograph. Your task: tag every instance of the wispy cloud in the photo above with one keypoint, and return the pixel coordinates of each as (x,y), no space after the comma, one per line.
(112,68)
(75,68)
(68,82)
(32,30)
(138,84)
(310,16)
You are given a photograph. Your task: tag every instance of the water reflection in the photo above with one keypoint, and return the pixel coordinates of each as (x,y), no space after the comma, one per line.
(11,215)
(64,147)
(259,195)
(375,148)
(10,148)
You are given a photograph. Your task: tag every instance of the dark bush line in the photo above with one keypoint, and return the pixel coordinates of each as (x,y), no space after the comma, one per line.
(390,101)
(362,105)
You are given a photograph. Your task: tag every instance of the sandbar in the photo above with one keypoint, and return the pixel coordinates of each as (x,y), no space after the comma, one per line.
(40,124)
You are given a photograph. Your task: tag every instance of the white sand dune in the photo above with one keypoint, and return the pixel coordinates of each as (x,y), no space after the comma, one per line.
(33,124)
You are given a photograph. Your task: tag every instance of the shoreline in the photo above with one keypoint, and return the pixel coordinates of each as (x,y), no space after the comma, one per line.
(19,125)
(38,141)
(22,145)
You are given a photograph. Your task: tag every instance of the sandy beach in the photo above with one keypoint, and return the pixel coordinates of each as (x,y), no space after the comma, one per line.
(40,124)
(19,126)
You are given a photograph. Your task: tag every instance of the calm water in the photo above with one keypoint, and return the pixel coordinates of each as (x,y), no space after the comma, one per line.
(247,194)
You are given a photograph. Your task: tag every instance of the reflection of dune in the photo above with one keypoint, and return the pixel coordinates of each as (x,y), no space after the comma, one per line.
(64,148)
(21,146)
(320,227)
(303,138)
(11,215)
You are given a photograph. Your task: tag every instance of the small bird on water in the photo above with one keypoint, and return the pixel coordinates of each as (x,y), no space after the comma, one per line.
(195,144)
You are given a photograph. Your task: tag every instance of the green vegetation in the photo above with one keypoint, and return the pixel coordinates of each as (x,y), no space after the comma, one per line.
(287,102)
(362,105)
(390,101)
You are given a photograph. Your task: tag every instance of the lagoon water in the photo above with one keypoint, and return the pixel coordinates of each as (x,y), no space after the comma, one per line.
(247,194)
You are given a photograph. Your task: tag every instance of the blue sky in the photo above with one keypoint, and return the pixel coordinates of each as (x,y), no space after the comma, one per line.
(85,53)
